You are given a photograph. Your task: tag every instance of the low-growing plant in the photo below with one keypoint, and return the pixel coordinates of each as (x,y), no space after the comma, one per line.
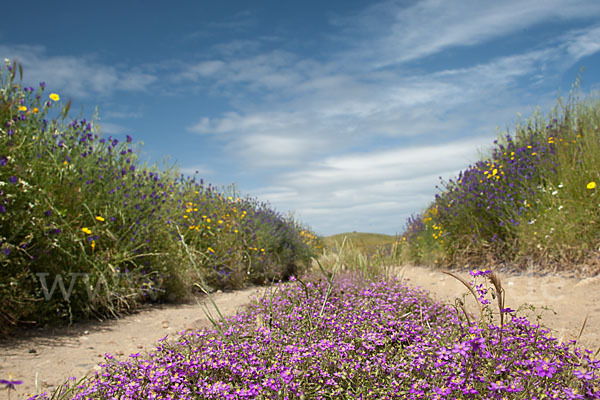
(346,337)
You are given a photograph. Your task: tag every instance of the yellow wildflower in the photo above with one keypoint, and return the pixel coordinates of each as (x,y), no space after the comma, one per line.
(22,108)
(86,230)
(591,185)
(99,218)
(54,97)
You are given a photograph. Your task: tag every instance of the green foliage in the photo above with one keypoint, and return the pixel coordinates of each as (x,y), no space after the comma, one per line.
(534,199)
(80,210)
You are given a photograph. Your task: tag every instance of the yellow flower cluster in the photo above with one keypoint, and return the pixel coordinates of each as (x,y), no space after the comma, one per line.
(88,231)
(430,213)
(206,224)
(261,251)
(437,231)
(493,171)
(310,239)
(512,155)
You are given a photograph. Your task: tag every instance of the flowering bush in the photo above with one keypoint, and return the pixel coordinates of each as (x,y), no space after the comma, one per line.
(533,199)
(88,230)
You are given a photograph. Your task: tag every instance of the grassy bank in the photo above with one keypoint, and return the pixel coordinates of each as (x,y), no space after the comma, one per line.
(533,200)
(88,230)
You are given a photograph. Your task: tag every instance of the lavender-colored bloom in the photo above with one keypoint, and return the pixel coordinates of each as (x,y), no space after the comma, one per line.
(10,384)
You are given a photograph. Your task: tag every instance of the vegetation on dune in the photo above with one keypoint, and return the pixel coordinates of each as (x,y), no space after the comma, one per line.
(535,199)
(87,230)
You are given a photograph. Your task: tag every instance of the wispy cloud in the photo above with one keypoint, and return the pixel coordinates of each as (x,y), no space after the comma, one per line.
(381,187)
(430,26)
(583,43)
(310,108)
(357,135)
(78,76)
(337,112)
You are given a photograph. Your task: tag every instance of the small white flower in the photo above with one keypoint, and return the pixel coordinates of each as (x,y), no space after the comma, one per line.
(560,208)
(555,193)
(560,185)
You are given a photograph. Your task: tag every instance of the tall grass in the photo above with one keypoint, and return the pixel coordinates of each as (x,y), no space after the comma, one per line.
(370,261)
(81,207)
(533,200)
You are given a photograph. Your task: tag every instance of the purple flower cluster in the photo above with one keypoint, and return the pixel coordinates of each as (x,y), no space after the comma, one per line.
(375,340)
(483,207)
(487,200)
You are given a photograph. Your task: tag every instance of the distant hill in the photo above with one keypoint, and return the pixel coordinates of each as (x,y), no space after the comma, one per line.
(367,242)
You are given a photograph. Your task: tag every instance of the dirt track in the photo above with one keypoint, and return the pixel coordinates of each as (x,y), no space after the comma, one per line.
(49,358)
(571,298)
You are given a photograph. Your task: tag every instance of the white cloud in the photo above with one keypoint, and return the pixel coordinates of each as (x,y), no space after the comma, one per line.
(269,151)
(383,187)
(76,76)
(583,43)
(203,69)
(322,133)
(430,26)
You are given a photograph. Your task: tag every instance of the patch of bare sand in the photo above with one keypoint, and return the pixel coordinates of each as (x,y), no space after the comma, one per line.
(51,357)
(571,298)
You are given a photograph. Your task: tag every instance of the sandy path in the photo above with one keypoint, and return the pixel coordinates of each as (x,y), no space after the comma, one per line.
(55,356)
(571,298)
(75,351)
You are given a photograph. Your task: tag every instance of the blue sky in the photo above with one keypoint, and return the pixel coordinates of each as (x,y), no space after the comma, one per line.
(344,112)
